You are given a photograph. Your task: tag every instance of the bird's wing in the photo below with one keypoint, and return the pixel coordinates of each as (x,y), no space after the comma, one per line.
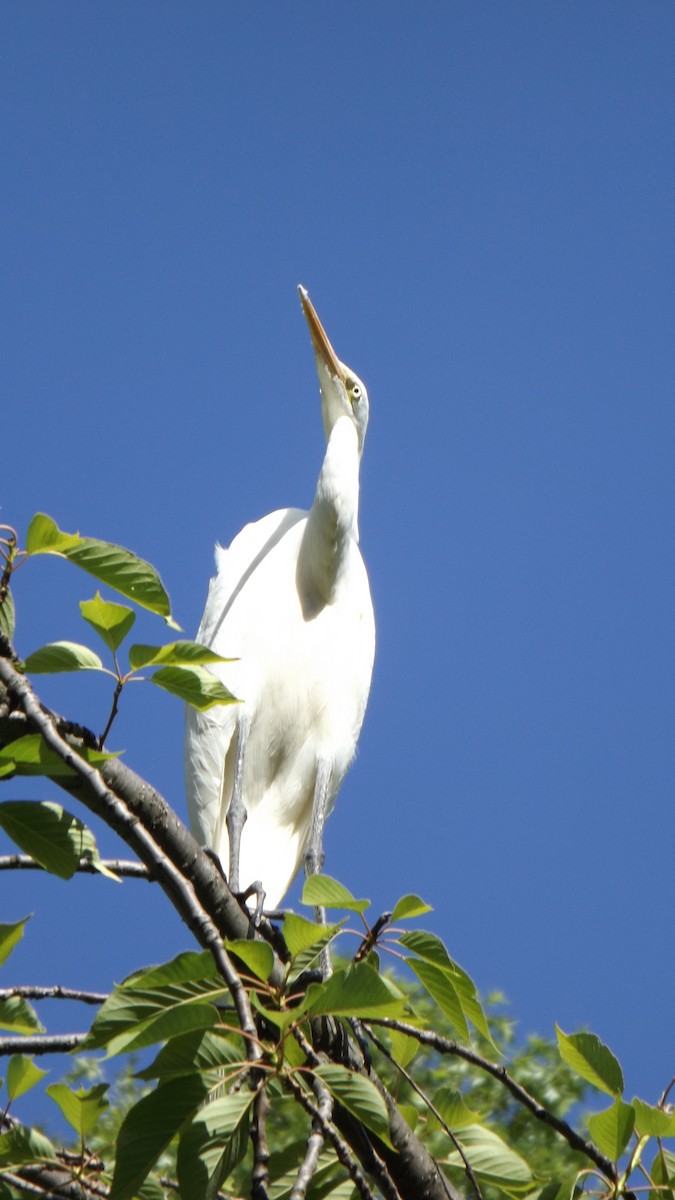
(211,736)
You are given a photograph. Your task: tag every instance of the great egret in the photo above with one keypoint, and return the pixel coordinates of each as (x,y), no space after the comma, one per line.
(291,601)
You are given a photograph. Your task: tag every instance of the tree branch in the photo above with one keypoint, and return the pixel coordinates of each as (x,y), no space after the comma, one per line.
(202,899)
(315,1141)
(120,866)
(55,1043)
(446,1046)
(53,993)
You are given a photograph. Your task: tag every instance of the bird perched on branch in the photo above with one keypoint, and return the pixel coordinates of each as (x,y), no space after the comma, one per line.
(291,602)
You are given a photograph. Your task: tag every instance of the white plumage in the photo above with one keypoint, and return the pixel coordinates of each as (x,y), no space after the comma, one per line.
(291,602)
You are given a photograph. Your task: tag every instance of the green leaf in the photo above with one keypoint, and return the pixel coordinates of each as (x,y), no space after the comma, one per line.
(592,1060)
(358,1095)
(30,755)
(429,947)
(662,1175)
(651,1121)
(172,655)
(148,1128)
(410,906)
(305,940)
(403,1047)
(356,991)
(52,836)
(21,1145)
(258,957)
(158,1003)
(18,1016)
(10,936)
(7,616)
(195,685)
(22,1075)
(212,1146)
(493,1160)
(443,990)
(110,564)
(80,1107)
(112,622)
(61,656)
(453,1109)
(432,950)
(321,890)
(612,1128)
(207,1052)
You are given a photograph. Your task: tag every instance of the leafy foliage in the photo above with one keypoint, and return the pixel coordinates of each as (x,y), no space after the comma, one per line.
(254,1046)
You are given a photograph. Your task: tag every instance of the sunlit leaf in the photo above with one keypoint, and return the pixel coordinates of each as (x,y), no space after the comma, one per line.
(356,991)
(403,1047)
(112,622)
(22,1075)
(662,1175)
(159,1003)
(592,1060)
(10,936)
(193,684)
(493,1160)
(321,890)
(358,1095)
(444,991)
(61,656)
(257,956)
(451,1106)
(81,1107)
(612,1128)
(174,654)
(49,834)
(305,940)
(110,564)
(651,1121)
(409,906)
(18,1016)
(30,755)
(148,1128)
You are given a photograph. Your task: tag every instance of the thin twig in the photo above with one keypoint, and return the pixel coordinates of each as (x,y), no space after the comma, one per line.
(120,866)
(28,992)
(260,1175)
(315,1141)
(53,1043)
(377,1167)
(447,1046)
(432,1109)
(340,1147)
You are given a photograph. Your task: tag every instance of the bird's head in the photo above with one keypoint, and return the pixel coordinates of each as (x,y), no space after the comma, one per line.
(342,392)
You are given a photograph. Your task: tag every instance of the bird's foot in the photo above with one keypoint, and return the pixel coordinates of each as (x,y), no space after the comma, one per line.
(254,889)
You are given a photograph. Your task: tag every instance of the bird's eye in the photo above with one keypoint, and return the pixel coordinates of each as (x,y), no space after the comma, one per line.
(356,391)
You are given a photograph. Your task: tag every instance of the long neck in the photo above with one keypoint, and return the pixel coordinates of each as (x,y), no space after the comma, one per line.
(332,524)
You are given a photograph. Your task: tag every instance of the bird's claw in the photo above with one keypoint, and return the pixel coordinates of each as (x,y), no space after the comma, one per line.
(254,889)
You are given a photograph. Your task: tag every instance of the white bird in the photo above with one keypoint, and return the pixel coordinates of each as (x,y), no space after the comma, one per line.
(290,601)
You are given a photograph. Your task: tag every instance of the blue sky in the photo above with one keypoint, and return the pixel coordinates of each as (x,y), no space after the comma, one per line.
(480,199)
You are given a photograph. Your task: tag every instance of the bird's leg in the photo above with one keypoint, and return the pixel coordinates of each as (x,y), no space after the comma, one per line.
(314,853)
(236,813)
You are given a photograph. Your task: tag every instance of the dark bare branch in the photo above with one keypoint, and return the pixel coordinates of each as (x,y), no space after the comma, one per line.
(447,1046)
(55,1043)
(122,867)
(53,993)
